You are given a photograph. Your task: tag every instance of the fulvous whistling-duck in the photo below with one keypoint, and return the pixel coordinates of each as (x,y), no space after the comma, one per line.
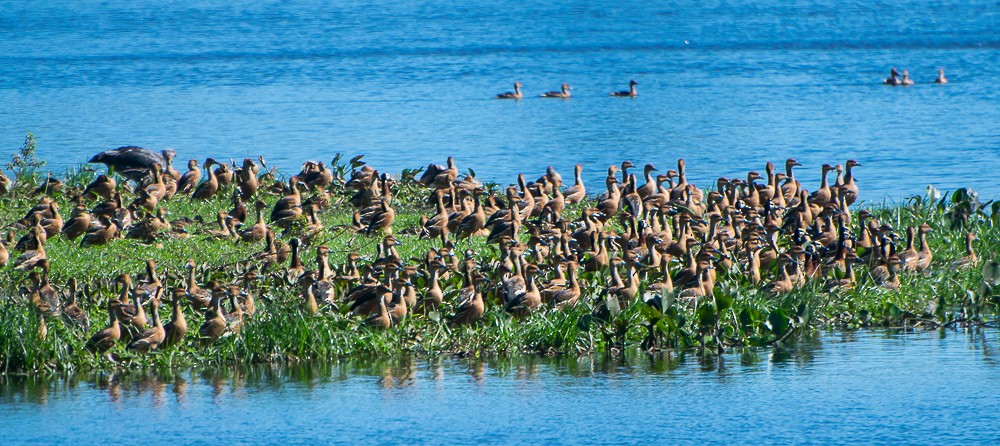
(970,260)
(207,189)
(153,337)
(104,187)
(72,312)
(940,77)
(516,94)
(630,93)
(906,81)
(470,300)
(175,330)
(215,321)
(103,340)
(925,255)
(563,93)
(577,192)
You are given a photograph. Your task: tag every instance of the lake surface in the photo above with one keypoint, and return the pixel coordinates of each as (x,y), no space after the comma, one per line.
(727,85)
(867,387)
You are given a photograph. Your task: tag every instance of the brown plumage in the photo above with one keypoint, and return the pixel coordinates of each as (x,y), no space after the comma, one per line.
(207,189)
(152,338)
(103,340)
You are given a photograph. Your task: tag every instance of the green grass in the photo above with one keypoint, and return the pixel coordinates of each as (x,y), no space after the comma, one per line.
(739,315)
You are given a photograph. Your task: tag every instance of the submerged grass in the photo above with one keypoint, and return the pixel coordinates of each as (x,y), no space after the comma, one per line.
(738,315)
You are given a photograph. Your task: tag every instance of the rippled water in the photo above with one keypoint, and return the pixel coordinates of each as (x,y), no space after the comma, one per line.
(829,388)
(728,85)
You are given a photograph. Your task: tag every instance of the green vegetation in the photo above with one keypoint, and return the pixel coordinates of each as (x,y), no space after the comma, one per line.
(737,314)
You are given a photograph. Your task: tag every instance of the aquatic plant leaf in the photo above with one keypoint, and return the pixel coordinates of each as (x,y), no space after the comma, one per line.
(356,161)
(777,322)
(723,301)
(584,322)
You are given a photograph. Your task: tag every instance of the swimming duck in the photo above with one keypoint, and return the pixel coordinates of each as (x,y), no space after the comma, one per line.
(630,93)
(516,94)
(906,81)
(562,93)
(940,77)
(893,78)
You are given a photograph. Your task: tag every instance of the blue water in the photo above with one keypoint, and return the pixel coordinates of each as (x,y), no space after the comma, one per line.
(830,388)
(726,85)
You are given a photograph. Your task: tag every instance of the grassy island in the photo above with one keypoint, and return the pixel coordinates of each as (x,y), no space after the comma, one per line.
(431,261)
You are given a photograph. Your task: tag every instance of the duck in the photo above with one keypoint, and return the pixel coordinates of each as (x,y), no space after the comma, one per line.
(823,195)
(563,93)
(310,303)
(78,224)
(32,257)
(566,297)
(940,77)
(257,232)
(893,78)
(578,191)
(925,255)
(970,260)
(104,233)
(103,340)
(849,189)
(199,298)
(381,220)
(630,93)
(473,223)
(906,81)
(381,317)
(434,295)
(208,188)
(73,314)
(215,322)
(516,94)
(154,336)
(190,179)
(5,184)
(175,330)
(247,180)
(437,226)
(103,186)
(470,300)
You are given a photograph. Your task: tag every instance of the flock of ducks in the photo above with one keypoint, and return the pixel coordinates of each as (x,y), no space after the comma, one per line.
(564,92)
(647,234)
(897,80)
